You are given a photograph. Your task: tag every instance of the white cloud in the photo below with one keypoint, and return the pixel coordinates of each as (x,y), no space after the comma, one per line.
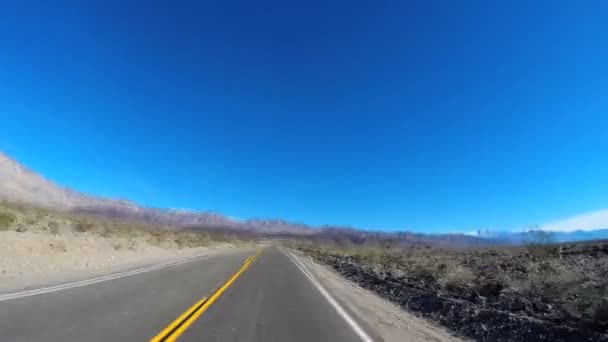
(589,221)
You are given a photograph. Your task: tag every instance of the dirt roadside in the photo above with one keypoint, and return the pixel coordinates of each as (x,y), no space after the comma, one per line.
(32,260)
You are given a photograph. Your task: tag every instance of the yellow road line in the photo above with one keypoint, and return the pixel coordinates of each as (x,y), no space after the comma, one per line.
(171,326)
(185,326)
(171,334)
(252,258)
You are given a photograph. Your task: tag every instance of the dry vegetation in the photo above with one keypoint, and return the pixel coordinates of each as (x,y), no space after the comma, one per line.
(20,218)
(40,247)
(536,292)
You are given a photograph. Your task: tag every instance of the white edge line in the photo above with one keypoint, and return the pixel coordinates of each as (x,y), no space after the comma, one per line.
(55,288)
(351,322)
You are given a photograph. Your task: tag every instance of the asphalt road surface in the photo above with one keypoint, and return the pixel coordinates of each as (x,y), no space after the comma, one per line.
(240,296)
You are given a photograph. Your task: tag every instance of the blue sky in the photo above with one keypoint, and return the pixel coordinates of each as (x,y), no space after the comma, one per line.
(429,116)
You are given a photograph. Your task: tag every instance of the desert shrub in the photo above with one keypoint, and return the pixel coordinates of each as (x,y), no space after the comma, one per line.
(552,280)
(184,241)
(424,273)
(157,236)
(456,279)
(54,227)
(189,240)
(132,244)
(374,256)
(543,252)
(217,237)
(540,245)
(60,246)
(490,288)
(106,232)
(125,232)
(6,220)
(82,226)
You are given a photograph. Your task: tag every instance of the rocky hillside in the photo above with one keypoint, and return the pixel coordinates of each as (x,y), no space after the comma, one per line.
(18,184)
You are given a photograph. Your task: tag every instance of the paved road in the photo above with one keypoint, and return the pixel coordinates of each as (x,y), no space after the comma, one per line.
(227,297)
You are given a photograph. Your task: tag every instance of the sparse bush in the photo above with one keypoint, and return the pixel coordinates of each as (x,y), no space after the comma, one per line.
(121,234)
(457,279)
(189,240)
(53,227)
(132,244)
(82,226)
(424,273)
(540,244)
(552,280)
(60,246)
(106,232)
(15,216)
(6,220)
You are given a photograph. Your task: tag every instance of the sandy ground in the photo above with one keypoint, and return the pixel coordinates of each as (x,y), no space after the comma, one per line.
(30,259)
(387,321)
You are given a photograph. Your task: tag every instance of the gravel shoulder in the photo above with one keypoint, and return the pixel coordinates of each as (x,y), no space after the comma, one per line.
(386,320)
(532,293)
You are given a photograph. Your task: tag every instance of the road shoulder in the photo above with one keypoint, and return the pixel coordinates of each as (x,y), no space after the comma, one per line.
(386,321)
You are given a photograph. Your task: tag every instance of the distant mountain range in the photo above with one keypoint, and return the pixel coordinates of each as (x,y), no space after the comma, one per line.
(18,184)
(535,236)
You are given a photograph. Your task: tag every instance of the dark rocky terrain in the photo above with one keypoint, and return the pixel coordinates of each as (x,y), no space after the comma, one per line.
(532,293)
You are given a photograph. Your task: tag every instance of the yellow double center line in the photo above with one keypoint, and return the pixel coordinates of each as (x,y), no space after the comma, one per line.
(185,320)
